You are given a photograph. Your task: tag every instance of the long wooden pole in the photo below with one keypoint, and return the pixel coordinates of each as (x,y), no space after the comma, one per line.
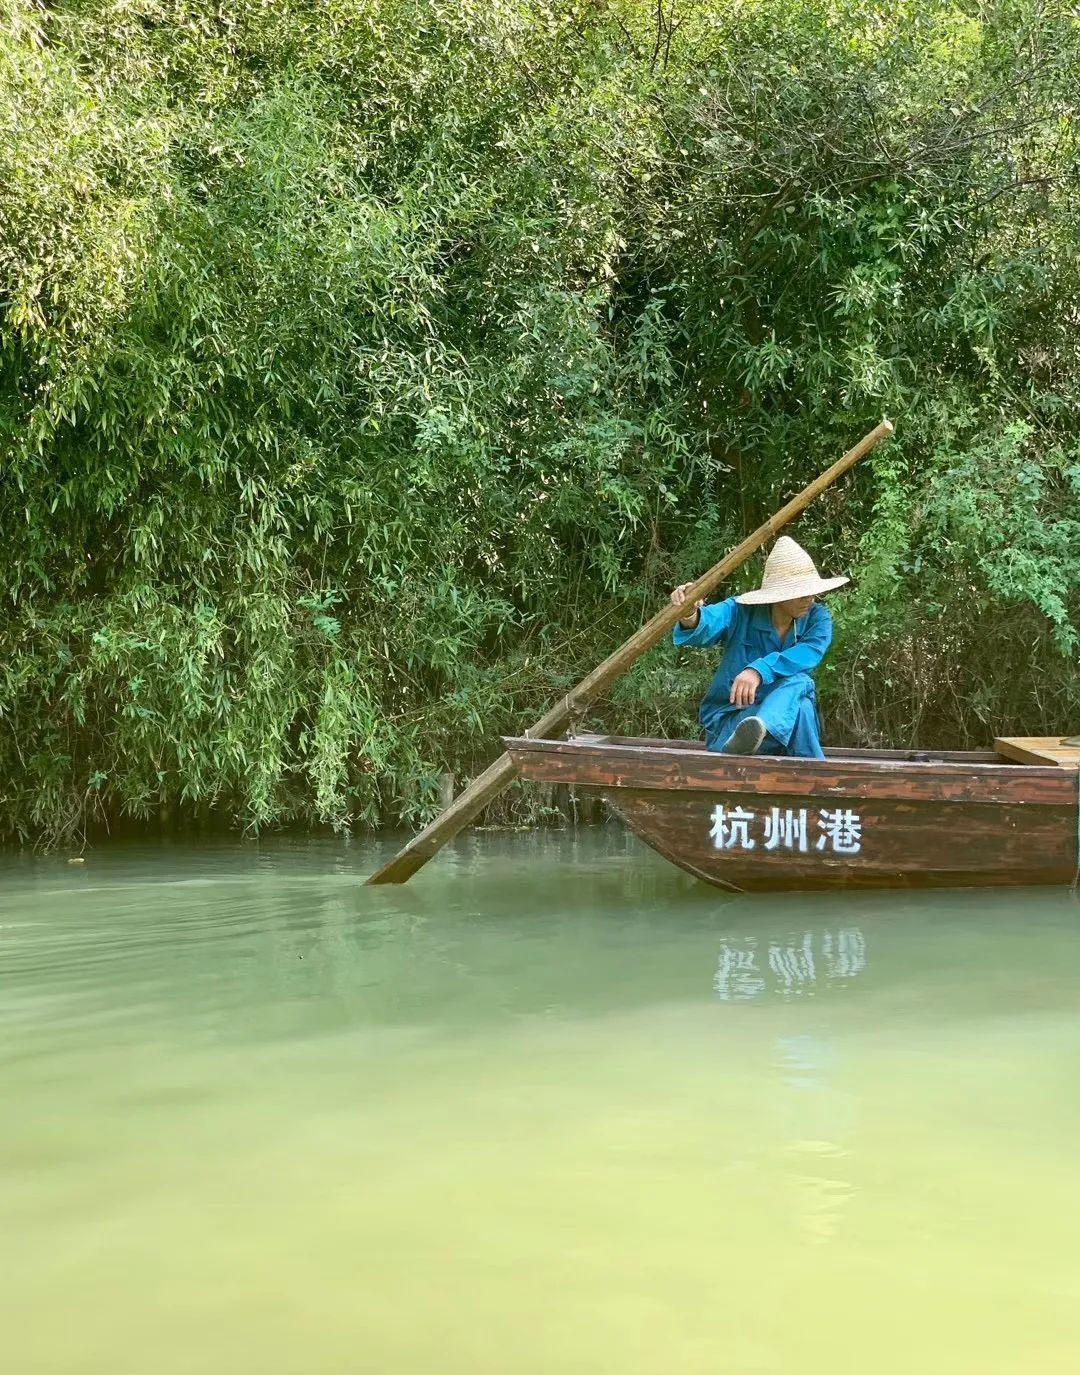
(498,775)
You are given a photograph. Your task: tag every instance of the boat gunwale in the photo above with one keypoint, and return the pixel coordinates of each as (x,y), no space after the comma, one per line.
(839,754)
(699,769)
(869,761)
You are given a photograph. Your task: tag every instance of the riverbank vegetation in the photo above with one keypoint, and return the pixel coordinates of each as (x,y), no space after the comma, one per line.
(370,368)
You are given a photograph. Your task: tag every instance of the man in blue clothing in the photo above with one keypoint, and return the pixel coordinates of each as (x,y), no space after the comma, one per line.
(762,698)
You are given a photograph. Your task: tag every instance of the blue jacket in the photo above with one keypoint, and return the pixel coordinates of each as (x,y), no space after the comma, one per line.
(751,641)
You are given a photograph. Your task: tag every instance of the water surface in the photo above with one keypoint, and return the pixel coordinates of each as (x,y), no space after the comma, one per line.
(552,1107)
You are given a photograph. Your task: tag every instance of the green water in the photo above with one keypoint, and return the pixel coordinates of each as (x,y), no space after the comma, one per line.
(553,1107)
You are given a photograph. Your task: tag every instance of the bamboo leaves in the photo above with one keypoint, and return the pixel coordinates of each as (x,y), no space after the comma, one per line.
(367,367)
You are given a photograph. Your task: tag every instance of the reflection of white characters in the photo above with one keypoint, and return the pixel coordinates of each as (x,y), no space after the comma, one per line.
(732,828)
(786,828)
(842,831)
(796,967)
(845,953)
(793,965)
(737,978)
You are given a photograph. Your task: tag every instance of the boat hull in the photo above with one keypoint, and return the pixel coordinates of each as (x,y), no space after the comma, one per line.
(760,824)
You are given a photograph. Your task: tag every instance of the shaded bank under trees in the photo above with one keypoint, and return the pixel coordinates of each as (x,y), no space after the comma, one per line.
(369,368)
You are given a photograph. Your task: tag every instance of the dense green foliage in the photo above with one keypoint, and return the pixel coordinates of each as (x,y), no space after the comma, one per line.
(369,368)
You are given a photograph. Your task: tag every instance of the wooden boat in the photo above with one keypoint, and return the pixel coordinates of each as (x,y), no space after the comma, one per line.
(858,818)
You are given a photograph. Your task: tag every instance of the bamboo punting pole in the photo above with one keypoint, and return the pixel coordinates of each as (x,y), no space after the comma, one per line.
(498,775)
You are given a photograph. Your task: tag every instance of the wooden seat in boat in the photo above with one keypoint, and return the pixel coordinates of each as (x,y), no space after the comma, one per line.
(1040,749)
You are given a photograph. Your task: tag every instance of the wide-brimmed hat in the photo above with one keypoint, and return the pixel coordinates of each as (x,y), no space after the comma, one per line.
(790,573)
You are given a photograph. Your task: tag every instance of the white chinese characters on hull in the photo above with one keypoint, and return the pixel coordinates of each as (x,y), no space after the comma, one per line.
(836,831)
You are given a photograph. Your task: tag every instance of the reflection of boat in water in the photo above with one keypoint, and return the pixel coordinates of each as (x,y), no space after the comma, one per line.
(750,966)
(859,818)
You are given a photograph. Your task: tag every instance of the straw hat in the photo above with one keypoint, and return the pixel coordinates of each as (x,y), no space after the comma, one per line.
(789,574)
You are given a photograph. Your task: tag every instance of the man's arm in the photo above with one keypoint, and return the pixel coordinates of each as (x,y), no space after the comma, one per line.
(707,626)
(801,657)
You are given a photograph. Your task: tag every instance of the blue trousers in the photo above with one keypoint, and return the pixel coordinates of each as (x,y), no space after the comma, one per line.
(788,707)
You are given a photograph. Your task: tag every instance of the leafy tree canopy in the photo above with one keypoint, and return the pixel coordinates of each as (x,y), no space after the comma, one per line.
(369,368)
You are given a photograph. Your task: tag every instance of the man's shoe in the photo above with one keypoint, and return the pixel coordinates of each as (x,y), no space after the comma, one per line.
(746,738)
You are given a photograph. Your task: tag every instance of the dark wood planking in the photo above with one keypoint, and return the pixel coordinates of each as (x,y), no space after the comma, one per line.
(957,822)
(609,766)
(844,752)
(904,844)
